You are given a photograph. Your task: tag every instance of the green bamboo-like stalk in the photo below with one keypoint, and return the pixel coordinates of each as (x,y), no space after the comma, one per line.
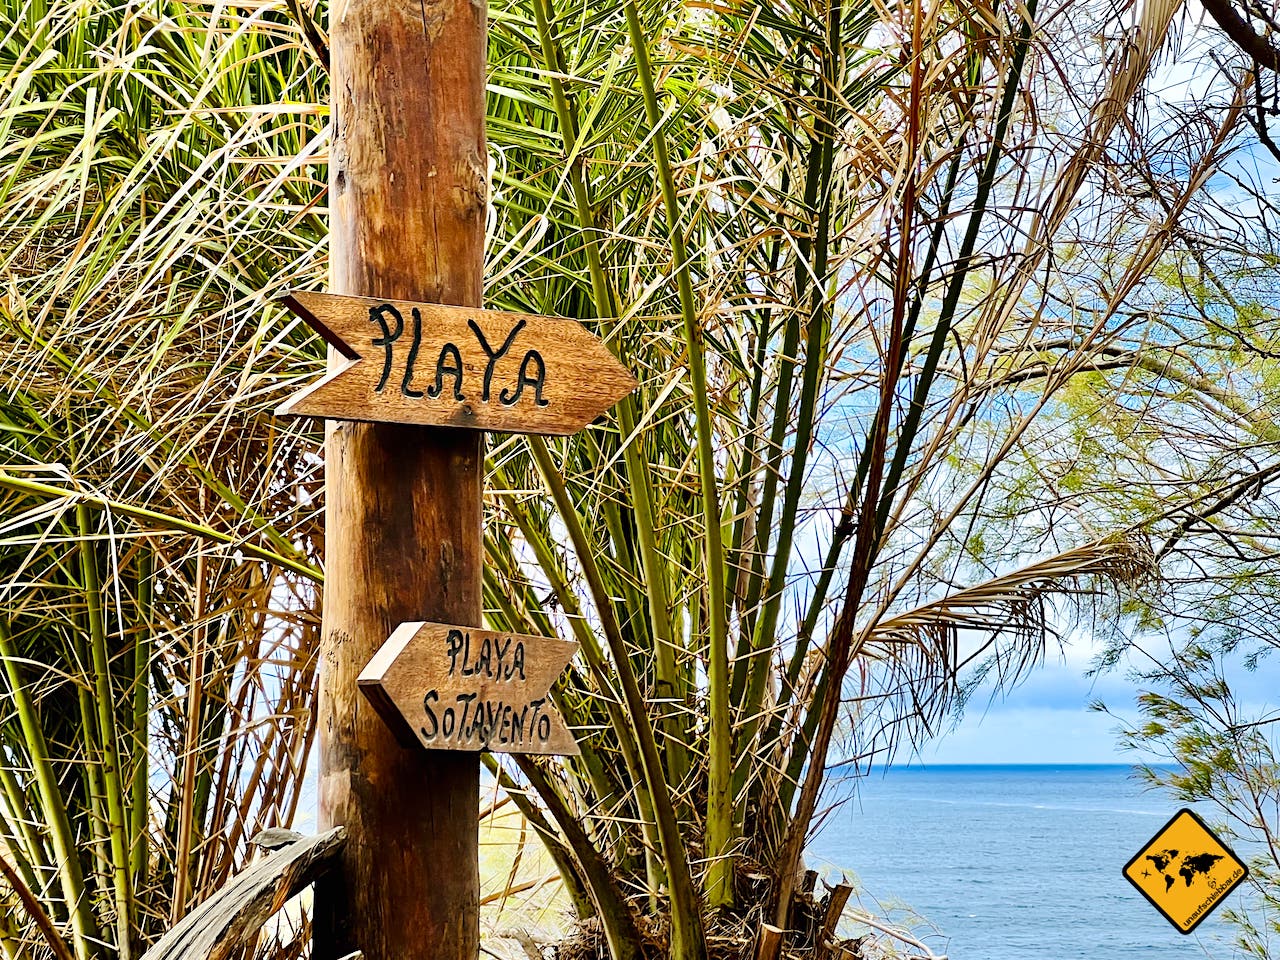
(75,893)
(23,831)
(607,786)
(99,823)
(642,499)
(112,774)
(687,941)
(763,636)
(619,924)
(844,528)
(535,536)
(563,855)
(187,802)
(140,799)
(776,443)
(719,882)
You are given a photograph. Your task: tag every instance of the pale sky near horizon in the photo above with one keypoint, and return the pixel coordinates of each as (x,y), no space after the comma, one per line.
(1047,719)
(1044,720)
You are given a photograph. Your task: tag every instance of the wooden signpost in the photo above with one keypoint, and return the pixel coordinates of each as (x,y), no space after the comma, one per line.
(446,366)
(456,688)
(407,198)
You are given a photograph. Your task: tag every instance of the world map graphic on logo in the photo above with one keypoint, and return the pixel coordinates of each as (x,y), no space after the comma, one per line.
(1185,871)
(1190,866)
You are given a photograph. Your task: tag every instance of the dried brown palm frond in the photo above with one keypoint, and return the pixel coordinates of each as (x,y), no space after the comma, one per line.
(157,566)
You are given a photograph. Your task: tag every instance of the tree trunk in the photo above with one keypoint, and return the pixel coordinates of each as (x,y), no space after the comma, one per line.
(407,193)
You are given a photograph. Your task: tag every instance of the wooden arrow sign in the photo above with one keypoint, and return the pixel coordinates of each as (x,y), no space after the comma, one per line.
(456,367)
(458,688)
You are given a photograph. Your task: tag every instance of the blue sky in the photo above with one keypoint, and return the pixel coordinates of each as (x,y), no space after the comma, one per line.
(1046,720)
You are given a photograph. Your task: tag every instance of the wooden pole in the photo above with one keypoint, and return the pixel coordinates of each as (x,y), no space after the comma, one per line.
(407,193)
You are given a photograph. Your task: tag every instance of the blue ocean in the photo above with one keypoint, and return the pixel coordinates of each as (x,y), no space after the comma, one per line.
(1009,862)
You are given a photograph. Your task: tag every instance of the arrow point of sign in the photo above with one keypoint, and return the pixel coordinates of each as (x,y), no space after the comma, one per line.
(371,677)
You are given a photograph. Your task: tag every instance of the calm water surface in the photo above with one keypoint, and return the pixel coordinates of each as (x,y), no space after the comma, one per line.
(1011,863)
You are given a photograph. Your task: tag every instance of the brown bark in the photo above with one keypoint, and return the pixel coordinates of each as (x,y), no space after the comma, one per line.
(403,504)
(1259,48)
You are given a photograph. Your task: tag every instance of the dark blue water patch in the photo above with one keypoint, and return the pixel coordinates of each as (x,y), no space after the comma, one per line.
(1009,862)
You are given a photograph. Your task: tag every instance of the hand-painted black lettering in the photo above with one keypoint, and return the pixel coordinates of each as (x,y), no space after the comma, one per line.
(544,727)
(538,381)
(448,352)
(467,668)
(535,722)
(465,699)
(504,725)
(492,715)
(517,660)
(494,357)
(450,720)
(405,389)
(503,670)
(433,725)
(379,316)
(455,647)
(484,658)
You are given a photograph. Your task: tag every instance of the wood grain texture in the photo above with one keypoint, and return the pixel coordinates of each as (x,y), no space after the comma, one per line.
(456,688)
(448,366)
(230,920)
(836,901)
(769,942)
(407,196)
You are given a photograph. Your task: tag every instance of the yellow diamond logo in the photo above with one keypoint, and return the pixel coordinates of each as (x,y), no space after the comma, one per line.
(1185,871)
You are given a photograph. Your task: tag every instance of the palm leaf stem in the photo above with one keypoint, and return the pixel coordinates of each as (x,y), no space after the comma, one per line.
(687,942)
(619,923)
(719,882)
(35,912)
(763,639)
(558,849)
(964,263)
(187,801)
(776,445)
(535,536)
(747,463)
(642,496)
(910,426)
(141,688)
(110,776)
(74,892)
(98,820)
(664,640)
(844,528)
(13,803)
(842,646)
